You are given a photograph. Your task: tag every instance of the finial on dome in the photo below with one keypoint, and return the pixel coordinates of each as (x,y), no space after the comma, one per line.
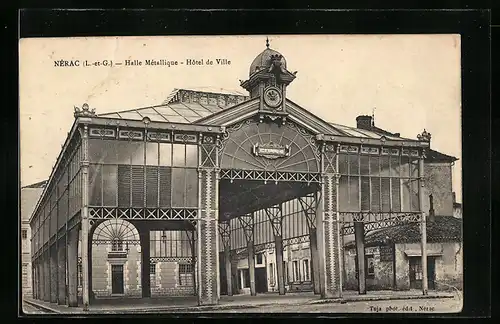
(267,42)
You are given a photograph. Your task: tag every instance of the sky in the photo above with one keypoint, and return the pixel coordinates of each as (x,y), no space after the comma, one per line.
(409,82)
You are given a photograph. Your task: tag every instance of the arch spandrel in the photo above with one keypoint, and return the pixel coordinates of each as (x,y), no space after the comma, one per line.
(269,146)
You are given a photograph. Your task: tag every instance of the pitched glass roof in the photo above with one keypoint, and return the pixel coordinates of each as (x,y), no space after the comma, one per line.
(184,106)
(357,132)
(189,105)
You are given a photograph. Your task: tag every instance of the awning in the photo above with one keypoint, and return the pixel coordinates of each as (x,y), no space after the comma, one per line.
(418,252)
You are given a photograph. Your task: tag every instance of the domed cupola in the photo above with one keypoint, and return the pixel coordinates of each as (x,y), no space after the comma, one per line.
(268,79)
(265,60)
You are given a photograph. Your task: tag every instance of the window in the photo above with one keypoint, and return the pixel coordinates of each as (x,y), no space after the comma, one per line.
(24,234)
(306,269)
(185,274)
(152,274)
(271,274)
(295,271)
(370,266)
(382,184)
(259,258)
(117,245)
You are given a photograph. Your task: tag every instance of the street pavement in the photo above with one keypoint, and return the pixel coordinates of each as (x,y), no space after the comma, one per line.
(30,310)
(381,302)
(430,306)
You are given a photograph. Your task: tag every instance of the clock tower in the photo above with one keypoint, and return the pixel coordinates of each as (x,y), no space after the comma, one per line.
(268,79)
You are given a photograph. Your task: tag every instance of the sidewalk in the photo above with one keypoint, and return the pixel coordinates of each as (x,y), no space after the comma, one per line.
(189,304)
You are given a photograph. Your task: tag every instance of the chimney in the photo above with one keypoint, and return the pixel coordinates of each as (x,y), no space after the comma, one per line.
(364,122)
(431,208)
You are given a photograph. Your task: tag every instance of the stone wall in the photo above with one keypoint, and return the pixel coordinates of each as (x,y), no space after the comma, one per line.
(164,283)
(167,281)
(448,267)
(438,183)
(448,264)
(383,274)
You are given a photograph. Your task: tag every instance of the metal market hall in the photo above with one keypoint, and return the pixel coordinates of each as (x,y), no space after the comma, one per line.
(172,199)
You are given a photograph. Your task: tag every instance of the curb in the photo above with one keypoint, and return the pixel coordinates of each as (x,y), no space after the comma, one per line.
(359,299)
(40,306)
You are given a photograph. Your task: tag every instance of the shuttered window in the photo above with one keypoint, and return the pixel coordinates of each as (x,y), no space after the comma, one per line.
(137,186)
(375,203)
(364,164)
(414,195)
(365,193)
(136,174)
(396,195)
(151,186)
(385,194)
(354,193)
(343,193)
(165,186)
(353,164)
(124,186)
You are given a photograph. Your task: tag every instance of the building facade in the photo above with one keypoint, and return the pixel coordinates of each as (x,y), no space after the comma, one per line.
(403,253)
(29,197)
(230,175)
(393,257)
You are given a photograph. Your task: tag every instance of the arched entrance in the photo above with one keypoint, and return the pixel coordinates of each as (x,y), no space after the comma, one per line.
(269,189)
(115,248)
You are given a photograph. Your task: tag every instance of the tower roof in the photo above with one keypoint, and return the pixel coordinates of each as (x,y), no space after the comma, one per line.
(263,60)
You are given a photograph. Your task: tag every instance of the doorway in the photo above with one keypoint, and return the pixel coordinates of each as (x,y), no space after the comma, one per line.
(117,279)
(415,264)
(260,280)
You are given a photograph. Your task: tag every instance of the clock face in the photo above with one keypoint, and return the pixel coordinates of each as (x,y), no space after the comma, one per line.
(272,97)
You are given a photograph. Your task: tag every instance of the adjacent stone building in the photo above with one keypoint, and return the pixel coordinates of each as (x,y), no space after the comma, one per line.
(393,255)
(398,248)
(29,197)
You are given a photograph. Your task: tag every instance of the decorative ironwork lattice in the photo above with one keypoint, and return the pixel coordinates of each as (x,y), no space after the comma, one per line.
(116,229)
(329,159)
(374,221)
(208,152)
(309,204)
(142,213)
(296,240)
(187,260)
(269,176)
(274,214)
(247,224)
(370,217)
(225,234)
(302,152)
